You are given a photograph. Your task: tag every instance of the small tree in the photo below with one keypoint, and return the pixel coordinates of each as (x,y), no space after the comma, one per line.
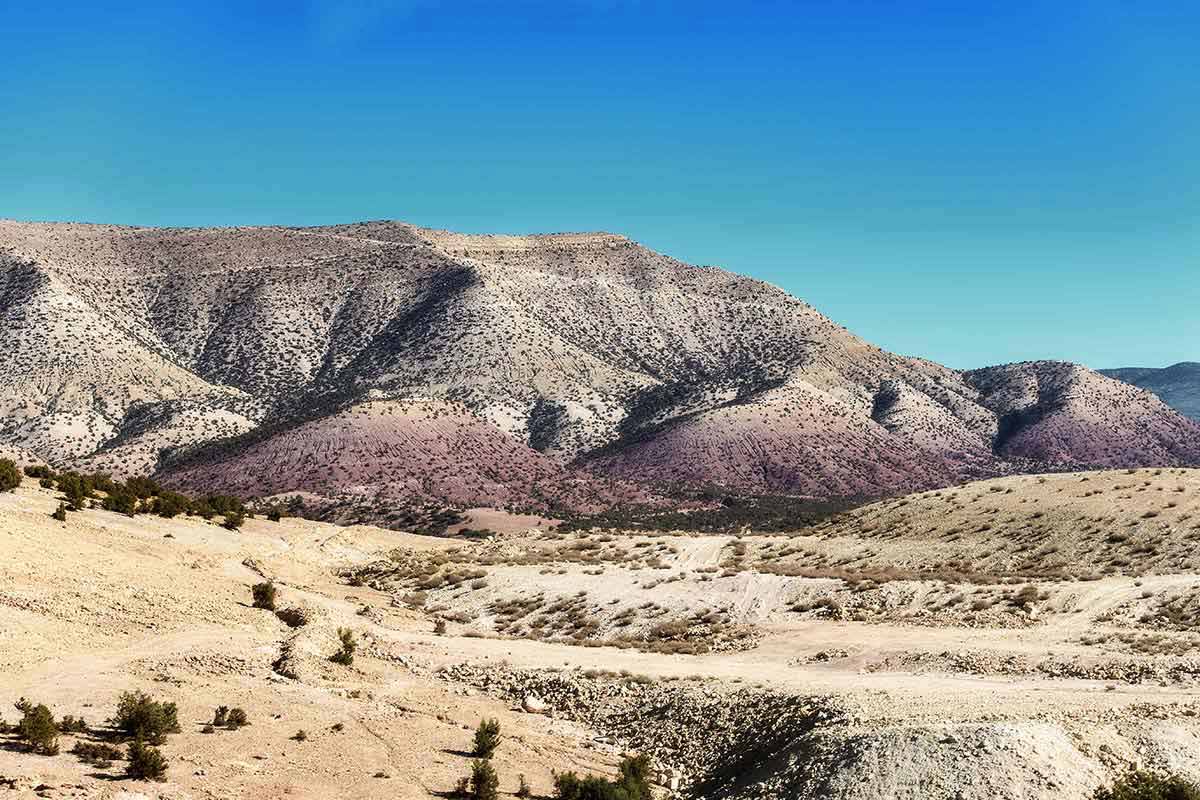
(349,644)
(485,784)
(76,488)
(36,728)
(233,520)
(121,502)
(10,476)
(145,763)
(264,595)
(487,738)
(60,513)
(633,783)
(170,504)
(1149,786)
(140,717)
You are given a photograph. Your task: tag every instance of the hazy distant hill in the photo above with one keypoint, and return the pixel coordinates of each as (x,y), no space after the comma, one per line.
(381,359)
(1177,385)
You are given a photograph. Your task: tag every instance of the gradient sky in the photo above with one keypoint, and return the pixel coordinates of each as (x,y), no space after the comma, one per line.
(974,182)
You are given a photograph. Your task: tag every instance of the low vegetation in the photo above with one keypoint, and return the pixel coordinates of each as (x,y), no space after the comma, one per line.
(487,738)
(139,720)
(1142,785)
(264,595)
(137,495)
(632,783)
(345,655)
(10,476)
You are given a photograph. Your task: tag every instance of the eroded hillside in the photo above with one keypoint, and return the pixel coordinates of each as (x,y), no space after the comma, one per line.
(131,350)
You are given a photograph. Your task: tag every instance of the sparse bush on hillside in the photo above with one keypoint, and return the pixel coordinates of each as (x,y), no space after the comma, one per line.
(1149,786)
(60,513)
(142,488)
(349,644)
(10,476)
(632,784)
(139,717)
(97,754)
(171,504)
(485,783)
(120,502)
(77,489)
(293,617)
(487,738)
(145,763)
(264,595)
(233,520)
(73,724)
(37,728)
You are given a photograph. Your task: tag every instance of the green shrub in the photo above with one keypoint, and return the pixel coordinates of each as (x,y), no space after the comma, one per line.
(102,482)
(145,763)
(37,728)
(233,521)
(139,717)
(633,783)
(39,471)
(487,738)
(142,488)
(99,755)
(346,654)
(293,617)
(120,502)
(76,488)
(485,784)
(10,476)
(60,513)
(72,724)
(170,504)
(264,595)
(1149,786)
(237,719)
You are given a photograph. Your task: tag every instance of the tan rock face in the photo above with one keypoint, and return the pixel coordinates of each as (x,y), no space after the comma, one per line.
(555,355)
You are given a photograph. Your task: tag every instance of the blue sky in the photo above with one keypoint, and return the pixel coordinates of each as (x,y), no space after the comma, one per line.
(973,182)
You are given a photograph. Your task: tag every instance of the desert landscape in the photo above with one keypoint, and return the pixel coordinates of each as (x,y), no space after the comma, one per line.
(379,511)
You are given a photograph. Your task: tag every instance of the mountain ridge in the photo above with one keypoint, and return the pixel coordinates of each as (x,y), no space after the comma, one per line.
(1178,385)
(126,348)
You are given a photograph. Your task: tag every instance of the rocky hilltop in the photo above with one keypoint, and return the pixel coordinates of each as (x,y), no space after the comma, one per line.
(571,370)
(1178,385)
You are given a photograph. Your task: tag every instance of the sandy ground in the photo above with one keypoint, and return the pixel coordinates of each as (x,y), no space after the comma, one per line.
(103,604)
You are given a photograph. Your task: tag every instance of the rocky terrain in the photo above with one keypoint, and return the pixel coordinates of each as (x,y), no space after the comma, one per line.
(1021,637)
(1177,385)
(553,374)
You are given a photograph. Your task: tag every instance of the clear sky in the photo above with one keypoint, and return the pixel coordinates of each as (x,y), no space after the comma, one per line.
(975,182)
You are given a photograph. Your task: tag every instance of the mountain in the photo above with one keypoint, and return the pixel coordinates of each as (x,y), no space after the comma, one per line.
(1177,385)
(381,360)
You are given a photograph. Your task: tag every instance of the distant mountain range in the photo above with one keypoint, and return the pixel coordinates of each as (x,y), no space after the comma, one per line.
(384,363)
(1178,386)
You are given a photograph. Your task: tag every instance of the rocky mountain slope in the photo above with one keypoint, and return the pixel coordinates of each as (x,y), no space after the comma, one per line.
(564,368)
(1177,385)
